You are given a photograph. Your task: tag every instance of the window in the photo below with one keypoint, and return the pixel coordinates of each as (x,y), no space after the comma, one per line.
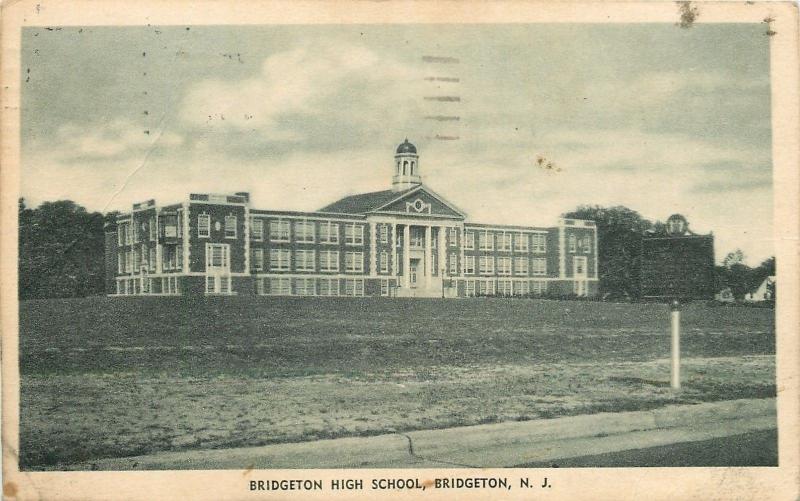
(304,231)
(304,286)
(280,286)
(135,228)
(145,286)
(121,230)
(170,225)
(486,287)
(329,233)
(121,262)
(453,264)
(385,287)
(280,259)
(521,242)
(278,230)
(119,287)
(216,284)
(417,237)
(434,238)
(129,262)
(203,226)
(179,257)
(230,226)
(572,243)
(180,223)
(469,288)
(384,233)
(328,260)
(354,262)
(257,229)
(538,287)
(137,260)
(539,244)
(328,286)
(354,234)
(539,266)
(587,245)
(257,258)
(504,287)
(521,266)
(487,265)
(469,265)
(151,259)
(354,287)
(152,228)
(217,256)
(504,266)
(504,242)
(469,240)
(169,285)
(128,234)
(304,260)
(452,237)
(384,262)
(487,241)
(522,288)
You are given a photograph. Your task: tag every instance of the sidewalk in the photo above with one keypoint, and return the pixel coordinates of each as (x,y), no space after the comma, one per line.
(491,445)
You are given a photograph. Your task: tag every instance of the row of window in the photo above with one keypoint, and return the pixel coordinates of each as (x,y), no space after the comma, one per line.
(305,260)
(502,241)
(136,259)
(129,233)
(282,286)
(142,285)
(502,264)
(504,287)
(304,232)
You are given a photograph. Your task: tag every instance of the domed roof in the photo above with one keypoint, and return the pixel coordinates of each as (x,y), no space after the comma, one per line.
(406,147)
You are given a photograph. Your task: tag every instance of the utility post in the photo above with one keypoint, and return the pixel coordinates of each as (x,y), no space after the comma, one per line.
(675,321)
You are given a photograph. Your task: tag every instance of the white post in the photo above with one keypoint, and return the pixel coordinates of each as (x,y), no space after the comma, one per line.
(373,258)
(428,257)
(394,249)
(407,255)
(675,314)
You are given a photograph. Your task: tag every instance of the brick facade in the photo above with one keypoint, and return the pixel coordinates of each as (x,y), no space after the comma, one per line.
(407,241)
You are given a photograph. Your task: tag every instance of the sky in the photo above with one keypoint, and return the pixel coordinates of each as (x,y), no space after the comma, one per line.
(654,117)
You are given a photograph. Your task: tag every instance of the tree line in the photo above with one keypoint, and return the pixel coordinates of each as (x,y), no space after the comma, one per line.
(62,245)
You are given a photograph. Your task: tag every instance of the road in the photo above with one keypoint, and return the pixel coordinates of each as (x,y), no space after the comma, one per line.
(758,448)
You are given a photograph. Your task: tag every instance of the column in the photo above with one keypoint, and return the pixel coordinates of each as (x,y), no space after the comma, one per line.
(428,267)
(394,249)
(406,255)
(442,261)
(158,246)
(373,257)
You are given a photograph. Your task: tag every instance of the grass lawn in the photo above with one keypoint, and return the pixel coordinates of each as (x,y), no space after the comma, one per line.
(117,377)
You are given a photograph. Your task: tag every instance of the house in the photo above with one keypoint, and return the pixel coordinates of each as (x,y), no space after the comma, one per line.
(405,241)
(764,292)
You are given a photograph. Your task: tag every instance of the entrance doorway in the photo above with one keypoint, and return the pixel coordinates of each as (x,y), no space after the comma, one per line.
(413,272)
(580,285)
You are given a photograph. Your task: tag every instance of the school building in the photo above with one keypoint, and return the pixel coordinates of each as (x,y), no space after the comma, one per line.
(406,241)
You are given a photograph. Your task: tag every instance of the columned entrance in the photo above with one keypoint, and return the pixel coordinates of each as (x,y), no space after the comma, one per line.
(420,250)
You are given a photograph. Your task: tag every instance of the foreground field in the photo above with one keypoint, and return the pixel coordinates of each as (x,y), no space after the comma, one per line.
(120,377)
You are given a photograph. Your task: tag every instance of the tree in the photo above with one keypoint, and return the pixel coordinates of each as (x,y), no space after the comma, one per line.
(61,250)
(619,234)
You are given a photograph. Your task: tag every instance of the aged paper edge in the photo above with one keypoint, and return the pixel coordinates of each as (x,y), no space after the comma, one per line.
(587,483)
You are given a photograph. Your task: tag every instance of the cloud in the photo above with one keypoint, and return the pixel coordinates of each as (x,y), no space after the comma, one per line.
(116,139)
(315,94)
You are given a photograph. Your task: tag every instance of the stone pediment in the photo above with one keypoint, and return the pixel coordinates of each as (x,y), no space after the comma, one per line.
(420,202)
